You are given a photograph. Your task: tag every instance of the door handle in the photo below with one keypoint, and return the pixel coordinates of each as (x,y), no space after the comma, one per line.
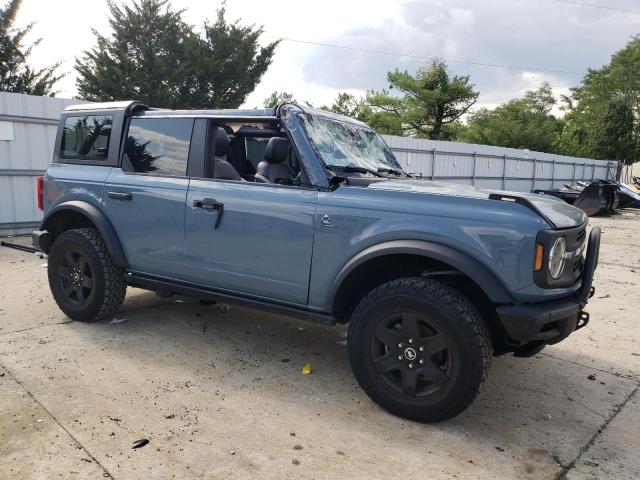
(121,195)
(211,204)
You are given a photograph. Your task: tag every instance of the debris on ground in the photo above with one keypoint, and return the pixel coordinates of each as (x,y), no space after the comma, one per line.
(221,307)
(298,447)
(117,321)
(306,369)
(140,443)
(591,377)
(295,461)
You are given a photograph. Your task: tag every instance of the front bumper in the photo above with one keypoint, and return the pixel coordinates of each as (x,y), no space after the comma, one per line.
(551,322)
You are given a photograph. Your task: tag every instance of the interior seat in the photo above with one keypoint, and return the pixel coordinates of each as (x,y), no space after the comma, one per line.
(222,169)
(272,168)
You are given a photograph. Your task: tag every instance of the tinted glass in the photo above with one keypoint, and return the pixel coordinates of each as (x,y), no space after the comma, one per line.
(159,146)
(86,137)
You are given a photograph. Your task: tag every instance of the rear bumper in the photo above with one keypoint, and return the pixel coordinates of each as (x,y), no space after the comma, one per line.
(551,322)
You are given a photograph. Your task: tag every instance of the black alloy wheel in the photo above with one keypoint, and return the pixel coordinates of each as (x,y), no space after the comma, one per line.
(76,277)
(410,354)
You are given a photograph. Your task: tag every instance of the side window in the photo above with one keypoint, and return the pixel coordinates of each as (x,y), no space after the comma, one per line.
(86,137)
(158,146)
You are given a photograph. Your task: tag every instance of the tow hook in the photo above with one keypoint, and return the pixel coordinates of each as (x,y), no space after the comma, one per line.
(583,320)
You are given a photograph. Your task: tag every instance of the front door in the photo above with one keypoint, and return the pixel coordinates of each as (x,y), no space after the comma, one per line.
(262,244)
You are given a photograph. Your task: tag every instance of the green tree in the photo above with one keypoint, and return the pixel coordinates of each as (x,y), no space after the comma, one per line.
(603,112)
(276,98)
(16,75)
(429,103)
(384,122)
(154,56)
(615,138)
(524,122)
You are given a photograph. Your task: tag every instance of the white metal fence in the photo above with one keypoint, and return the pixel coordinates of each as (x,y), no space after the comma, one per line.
(495,167)
(28,127)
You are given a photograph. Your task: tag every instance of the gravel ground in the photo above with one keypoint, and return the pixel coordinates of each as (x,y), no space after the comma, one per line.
(220,394)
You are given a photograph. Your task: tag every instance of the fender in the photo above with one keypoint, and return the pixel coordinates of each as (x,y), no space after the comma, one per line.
(487,280)
(101,222)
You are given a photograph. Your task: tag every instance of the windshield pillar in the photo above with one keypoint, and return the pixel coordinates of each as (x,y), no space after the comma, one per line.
(312,164)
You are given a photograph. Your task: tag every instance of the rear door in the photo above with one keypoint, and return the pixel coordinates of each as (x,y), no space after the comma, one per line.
(144,198)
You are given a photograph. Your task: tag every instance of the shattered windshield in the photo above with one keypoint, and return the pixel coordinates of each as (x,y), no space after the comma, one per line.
(346,145)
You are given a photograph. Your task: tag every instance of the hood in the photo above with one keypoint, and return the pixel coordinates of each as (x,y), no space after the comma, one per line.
(557,211)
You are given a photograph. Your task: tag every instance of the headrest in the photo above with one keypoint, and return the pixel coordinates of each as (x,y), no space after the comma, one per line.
(277,150)
(221,142)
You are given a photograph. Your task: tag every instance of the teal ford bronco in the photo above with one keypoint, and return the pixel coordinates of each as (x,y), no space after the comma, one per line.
(309,214)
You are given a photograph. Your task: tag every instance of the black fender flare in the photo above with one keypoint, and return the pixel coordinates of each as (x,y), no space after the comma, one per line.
(96,217)
(487,280)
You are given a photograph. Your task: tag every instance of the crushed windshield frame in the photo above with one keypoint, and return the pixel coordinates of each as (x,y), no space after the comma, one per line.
(379,167)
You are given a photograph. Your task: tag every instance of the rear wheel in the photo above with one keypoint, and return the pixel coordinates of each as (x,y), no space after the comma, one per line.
(419,349)
(84,281)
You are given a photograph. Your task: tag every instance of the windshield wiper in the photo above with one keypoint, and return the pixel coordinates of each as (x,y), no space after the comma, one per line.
(393,171)
(355,169)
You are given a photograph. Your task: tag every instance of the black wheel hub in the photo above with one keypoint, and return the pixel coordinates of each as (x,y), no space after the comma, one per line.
(410,355)
(76,277)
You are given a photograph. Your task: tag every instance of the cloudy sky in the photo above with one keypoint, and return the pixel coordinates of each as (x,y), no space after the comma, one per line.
(548,40)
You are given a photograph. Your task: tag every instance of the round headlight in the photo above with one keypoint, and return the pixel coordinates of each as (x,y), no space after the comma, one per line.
(556,258)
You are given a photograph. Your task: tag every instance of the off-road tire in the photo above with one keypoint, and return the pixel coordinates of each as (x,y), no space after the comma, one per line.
(108,285)
(466,358)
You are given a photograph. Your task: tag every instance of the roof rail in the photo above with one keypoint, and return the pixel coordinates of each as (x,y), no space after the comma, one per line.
(129,105)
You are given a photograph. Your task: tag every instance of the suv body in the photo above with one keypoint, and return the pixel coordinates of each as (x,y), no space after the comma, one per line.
(308,214)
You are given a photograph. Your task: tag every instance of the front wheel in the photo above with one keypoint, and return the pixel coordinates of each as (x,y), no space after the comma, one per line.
(84,281)
(419,349)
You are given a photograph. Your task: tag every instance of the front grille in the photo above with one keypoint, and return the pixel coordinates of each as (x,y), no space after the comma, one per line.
(576,239)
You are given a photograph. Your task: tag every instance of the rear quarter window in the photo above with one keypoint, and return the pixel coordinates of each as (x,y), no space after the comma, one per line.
(86,137)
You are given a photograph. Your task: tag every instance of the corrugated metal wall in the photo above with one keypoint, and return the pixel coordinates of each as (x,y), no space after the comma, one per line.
(495,167)
(27,134)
